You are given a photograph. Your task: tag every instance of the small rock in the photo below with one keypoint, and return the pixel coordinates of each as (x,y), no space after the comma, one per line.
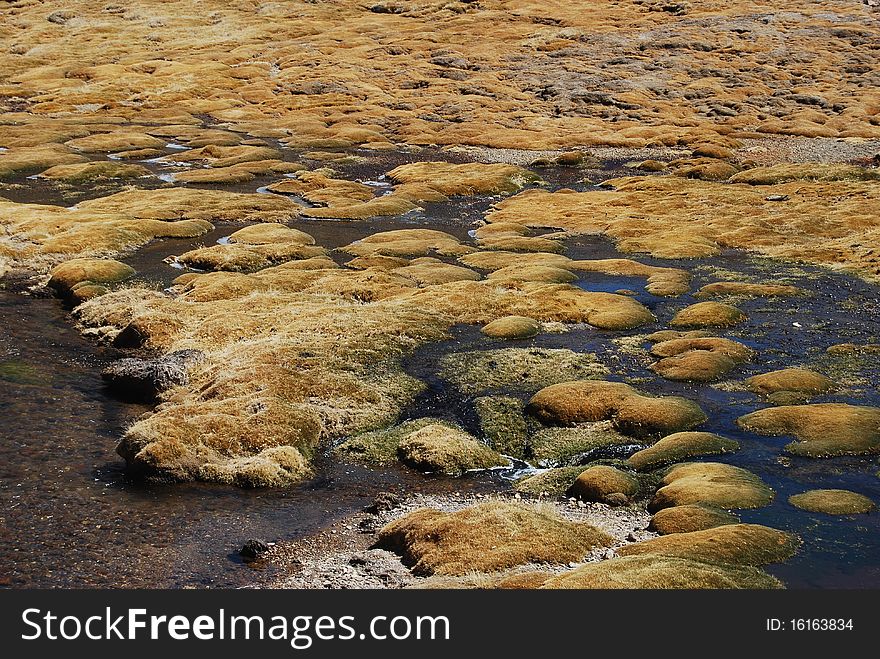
(384,501)
(616,499)
(253,549)
(777,197)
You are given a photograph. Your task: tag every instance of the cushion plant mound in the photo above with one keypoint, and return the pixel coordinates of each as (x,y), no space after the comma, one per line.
(554,447)
(669,335)
(502,424)
(698,359)
(512,327)
(745,289)
(599,482)
(823,429)
(736,544)
(541,273)
(379,447)
(680,446)
(631,412)
(832,502)
(67,275)
(552,482)
(517,369)
(489,536)
(690,517)
(439,448)
(662,572)
(708,314)
(93,171)
(796,380)
(711,483)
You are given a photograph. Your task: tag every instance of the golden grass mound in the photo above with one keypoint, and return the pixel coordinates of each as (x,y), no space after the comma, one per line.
(552,447)
(464,179)
(450,451)
(690,517)
(78,173)
(823,430)
(547,274)
(30,159)
(427,271)
(632,413)
(224,156)
(832,502)
(747,289)
(701,359)
(662,572)
(598,483)
(512,327)
(787,172)
(407,243)
(669,335)
(708,314)
(484,301)
(120,140)
(65,277)
(730,544)
(240,173)
(182,203)
(517,369)
(794,380)
(681,446)
(710,483)
(828,223)
(247,258)
(267,234)
(661,281)
(496,260)
(487,537)
(39,236)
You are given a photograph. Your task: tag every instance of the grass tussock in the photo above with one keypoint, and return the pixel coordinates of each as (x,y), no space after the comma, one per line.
(487,537)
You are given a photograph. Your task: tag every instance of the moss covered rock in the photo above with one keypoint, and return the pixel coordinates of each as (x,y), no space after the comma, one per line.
(440,448)
(487,537)
(832,502)
(823,429)
(690,517)
(708,314)
(731,544)
(661,572)
(680,446)
(512,327)
(711,483)
(631,412)
(600,482)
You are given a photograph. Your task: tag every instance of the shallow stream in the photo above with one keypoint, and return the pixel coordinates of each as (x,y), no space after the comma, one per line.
(70,517)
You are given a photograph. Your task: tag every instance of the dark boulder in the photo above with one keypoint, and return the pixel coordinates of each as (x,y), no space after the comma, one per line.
(145,379)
